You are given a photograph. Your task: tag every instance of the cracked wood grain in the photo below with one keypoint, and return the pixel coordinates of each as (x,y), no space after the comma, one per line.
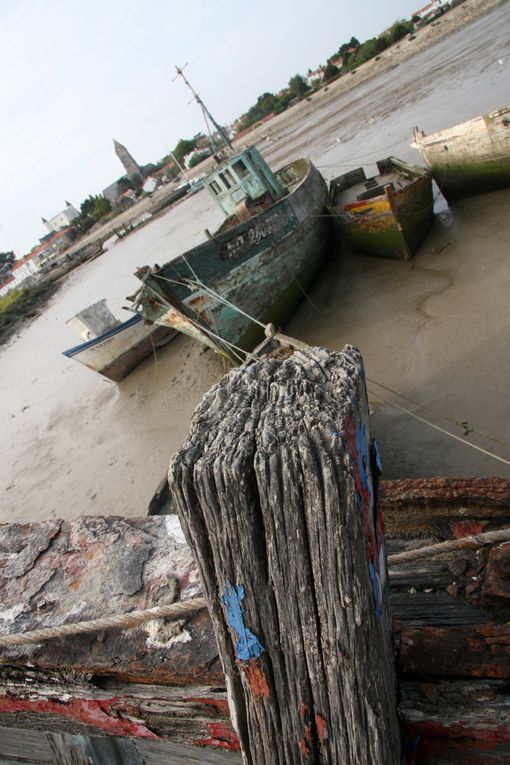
(276,488)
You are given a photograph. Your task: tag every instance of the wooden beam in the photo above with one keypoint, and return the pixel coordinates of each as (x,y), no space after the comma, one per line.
(276,488)
(171,693)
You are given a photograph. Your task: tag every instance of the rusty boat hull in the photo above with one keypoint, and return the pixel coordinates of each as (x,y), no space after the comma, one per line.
(388,215)
(258,269)
(115,353)
(470,158)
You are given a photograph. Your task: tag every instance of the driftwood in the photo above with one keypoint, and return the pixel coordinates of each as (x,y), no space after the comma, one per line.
(276,488)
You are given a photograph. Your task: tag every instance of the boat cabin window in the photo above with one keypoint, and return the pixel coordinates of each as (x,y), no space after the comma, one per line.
(240,168)
(215,187)
(228,179)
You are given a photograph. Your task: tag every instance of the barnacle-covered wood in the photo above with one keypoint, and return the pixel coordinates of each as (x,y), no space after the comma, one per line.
(276,489)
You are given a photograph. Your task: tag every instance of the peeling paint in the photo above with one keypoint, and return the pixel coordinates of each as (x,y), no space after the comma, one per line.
(174,529)
(102,715)
(256,679)
(10,614)
(248,645)
(163,633)
(222,737)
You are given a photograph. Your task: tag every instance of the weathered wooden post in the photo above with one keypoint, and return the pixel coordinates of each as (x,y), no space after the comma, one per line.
(276,488)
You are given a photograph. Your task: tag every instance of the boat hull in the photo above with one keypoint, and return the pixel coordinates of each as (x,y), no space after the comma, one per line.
(115,353)
(470,158)
(261,267)
(391,225)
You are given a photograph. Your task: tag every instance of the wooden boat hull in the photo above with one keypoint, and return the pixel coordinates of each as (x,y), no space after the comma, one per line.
(261,266)
(393,224)
(115,353)
(470,158)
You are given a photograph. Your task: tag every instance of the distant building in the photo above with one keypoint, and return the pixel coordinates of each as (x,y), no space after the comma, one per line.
(112,192)
(429,11)
(62,219)
(131,167)
(51,247)
(21,270)
(312,77)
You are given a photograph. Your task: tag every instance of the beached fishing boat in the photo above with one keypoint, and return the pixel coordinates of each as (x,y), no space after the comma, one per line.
(255,267)
(470,158)
(388,214)
(111,347)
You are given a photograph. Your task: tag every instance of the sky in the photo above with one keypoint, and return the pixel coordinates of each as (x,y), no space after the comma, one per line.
(74,75)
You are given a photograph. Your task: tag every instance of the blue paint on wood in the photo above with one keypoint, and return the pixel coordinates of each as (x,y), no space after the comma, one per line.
(362,449)
(376,587)
(248,645)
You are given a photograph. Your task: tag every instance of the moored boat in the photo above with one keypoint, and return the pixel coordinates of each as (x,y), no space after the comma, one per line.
(255,268)
(470,158)
(111,347)
(388,214)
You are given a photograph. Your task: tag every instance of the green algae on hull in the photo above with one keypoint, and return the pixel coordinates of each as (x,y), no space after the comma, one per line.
(388,215)
(256,269)
(470,158)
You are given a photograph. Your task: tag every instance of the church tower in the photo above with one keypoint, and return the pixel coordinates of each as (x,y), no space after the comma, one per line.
(131,167)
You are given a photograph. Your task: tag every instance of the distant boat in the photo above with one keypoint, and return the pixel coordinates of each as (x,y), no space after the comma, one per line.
(111,347)
(470,158)
(388,214)
(255,267)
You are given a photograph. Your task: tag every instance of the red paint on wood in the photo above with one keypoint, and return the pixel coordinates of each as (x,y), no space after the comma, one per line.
(483,651)
(222,737)
(303,709)
(432,735)
(466,528)
(220,705)
(102,715)
(320,723)
(256,679)
(305,741)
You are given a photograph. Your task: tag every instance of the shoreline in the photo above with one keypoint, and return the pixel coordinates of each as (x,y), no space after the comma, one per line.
(398,53)
(388,60)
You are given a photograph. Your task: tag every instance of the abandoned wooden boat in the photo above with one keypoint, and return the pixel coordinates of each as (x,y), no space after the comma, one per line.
(470,158)
(388,214)
(255,268)
(111,347)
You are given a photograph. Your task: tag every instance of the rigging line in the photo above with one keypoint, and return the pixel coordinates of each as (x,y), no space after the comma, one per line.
(224,300)
(316,308)
(459,423)
(217,296)
(369,154)
(198,323)
(441,430)
(223,341)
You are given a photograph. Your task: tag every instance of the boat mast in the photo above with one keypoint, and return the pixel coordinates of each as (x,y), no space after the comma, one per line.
(205,110)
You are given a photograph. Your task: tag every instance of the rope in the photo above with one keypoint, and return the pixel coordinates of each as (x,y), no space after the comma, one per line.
(461,424)
(131,619)
(441,430)
(209,290)
(464,543)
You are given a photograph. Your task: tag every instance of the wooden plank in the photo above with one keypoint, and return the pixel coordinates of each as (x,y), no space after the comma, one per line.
(91,686)
(276,488)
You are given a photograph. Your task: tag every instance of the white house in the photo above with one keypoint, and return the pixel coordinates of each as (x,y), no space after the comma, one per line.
(22,268)
(62,219)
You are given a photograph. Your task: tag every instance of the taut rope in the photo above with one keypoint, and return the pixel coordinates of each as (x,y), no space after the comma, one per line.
(133,618)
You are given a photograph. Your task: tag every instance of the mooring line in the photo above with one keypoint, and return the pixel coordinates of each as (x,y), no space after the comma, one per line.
(181,608)
(441,430)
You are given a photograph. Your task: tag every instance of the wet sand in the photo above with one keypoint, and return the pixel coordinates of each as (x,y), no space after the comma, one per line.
(434,329)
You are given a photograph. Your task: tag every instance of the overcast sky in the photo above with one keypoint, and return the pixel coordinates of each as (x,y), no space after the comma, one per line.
(75,75)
